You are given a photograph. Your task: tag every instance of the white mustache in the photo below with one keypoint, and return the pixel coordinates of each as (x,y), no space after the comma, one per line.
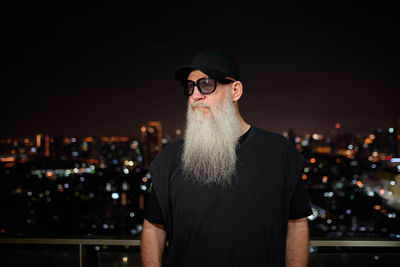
(199,105)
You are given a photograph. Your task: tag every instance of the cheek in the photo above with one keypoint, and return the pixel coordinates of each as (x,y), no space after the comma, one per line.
(224,93)
(221,99)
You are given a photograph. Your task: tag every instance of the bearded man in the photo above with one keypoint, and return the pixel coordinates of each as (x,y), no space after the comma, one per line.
(228,193)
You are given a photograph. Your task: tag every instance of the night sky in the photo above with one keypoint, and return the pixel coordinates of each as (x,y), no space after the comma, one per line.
(107,69)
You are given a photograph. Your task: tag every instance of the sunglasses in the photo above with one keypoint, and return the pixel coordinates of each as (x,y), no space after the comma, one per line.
(204,85)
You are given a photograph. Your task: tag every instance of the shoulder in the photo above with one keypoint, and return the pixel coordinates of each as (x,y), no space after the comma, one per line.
(272,139)
(171,148)
(275,144)
(170,154)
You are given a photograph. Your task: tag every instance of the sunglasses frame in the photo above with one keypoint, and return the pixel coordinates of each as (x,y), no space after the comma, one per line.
(196,84)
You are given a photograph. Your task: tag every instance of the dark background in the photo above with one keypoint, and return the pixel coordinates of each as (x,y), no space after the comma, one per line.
(107,69)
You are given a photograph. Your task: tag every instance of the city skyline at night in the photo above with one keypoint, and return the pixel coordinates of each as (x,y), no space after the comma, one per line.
(352,181)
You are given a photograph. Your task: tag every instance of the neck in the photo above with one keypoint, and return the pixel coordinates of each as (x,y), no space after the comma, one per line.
(244,126)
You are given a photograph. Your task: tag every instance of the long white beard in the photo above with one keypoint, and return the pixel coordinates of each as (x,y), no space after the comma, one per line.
(209,151)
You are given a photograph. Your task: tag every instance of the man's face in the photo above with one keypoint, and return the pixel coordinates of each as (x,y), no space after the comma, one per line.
(199,101)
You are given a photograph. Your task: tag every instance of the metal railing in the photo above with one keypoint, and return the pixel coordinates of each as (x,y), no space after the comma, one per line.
(354,243)
(82,243)
(85,242)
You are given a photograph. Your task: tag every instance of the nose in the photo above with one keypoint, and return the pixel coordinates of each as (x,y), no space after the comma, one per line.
(196,94)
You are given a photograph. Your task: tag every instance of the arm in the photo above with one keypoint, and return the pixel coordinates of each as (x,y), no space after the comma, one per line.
(152,244)
(297,243)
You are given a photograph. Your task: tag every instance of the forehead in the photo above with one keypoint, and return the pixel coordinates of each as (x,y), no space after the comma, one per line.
(196,74)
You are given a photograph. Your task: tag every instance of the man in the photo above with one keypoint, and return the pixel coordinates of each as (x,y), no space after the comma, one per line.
(228,194)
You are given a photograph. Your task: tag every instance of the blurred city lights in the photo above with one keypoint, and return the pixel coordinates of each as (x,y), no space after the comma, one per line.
(334,171)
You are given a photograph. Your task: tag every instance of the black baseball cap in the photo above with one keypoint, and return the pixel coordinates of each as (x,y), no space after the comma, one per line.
(217,64)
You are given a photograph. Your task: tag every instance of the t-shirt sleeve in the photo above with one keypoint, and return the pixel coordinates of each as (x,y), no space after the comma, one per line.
(299,204)
(153,211)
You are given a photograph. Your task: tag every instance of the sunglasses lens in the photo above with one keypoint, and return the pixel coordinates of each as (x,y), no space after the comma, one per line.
(207,85)
(187,87)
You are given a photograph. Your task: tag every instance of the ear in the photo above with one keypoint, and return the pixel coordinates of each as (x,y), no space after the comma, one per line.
(236,91)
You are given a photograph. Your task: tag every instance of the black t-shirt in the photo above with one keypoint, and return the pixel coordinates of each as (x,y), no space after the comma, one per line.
(244,224)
